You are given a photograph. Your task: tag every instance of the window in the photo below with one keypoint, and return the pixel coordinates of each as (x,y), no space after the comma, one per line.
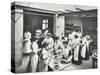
(45,23)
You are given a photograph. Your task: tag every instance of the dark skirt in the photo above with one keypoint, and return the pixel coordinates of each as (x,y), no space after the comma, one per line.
(79,58)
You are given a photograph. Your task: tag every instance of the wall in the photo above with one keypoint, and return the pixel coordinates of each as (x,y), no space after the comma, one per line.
(60,26)
(16,37)
(90,26)
(75,21)
(13,42)
(31,22)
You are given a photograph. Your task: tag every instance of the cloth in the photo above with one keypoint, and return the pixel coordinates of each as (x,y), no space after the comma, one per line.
(27,42)
(45,54)
(66,51)
(49,43)
(35,47)
(27,47)
(34,62)
(76,49)
(58,47)
(42,67)
(84,46)
(34,56)
(44,60)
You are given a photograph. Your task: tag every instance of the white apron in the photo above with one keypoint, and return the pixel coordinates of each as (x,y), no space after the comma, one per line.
(46,54)
(34,58)
(76,49)
(34,62)
(83,51)
(66,51)
(50,43)
(27,44)
(27,47)
(58,46)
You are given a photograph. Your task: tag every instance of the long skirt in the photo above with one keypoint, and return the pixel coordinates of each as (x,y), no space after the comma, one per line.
(43,66)
(66,52)
(85,53)
(33,62)
(44,61)
(77,56)
(26,61)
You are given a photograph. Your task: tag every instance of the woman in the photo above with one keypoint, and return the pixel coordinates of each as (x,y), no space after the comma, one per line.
(58,46)
(88,44)
(26,49)
(84,52)
(48,40)
(76,53)
(34,56)
(47,49)
(67,53)
(27,42)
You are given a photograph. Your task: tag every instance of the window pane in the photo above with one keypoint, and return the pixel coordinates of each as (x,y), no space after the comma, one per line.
(47,21)
(43,26)
(46,26)
(44,21)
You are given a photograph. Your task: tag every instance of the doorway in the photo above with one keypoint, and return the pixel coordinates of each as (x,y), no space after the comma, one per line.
(34,20)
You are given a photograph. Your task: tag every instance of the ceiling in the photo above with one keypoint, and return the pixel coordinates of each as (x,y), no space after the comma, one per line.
(56,7)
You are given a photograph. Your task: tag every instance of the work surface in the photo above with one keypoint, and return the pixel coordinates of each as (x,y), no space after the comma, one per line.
(59,66)
(64,67)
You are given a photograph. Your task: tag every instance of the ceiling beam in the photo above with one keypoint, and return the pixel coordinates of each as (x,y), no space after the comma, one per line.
(79,9)
(69,10)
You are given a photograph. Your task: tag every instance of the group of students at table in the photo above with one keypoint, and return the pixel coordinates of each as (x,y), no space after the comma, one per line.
(74,47)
